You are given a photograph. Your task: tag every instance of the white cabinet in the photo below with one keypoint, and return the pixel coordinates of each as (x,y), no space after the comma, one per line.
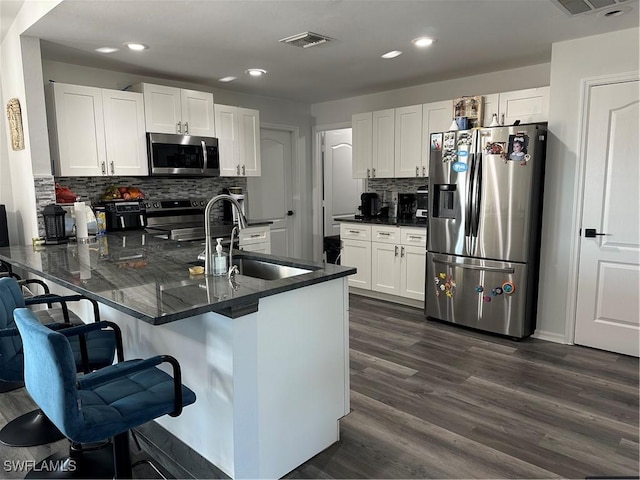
(238,132)
(255,239)
(408,142)
(436,117)
(398,259)
(177,110)
(362,138)
(96,132)
(528,106)
(356,252)
(389,259)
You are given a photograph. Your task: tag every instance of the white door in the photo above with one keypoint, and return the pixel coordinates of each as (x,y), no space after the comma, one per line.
(249,135)
(269,196)
(341,192)
(383,143)
(412,271)
(197,113)
(356,253)
(162,109)
(226,120)
(408,142)
(609,275)
(385,268)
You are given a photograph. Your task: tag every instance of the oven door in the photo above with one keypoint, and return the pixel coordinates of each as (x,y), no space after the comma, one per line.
(182,155)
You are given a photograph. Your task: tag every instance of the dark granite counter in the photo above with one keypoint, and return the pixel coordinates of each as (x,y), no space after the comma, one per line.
(148,277)
(412,222)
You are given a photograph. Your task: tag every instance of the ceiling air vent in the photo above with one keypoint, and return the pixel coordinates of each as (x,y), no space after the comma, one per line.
(581,7)
(306,40)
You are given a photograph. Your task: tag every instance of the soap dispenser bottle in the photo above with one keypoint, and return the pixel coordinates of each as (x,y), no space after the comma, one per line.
(219,260)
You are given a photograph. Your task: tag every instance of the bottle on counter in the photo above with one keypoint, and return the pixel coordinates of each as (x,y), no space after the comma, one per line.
(219,260)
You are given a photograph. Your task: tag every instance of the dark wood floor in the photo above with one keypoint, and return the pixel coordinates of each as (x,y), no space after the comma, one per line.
(431,400)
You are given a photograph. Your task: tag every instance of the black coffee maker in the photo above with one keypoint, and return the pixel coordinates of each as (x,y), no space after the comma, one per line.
(369,204)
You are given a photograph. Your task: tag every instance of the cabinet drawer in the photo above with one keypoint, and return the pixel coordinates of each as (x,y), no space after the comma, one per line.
(385,234)
(355,231)
(413,236)
(251,235)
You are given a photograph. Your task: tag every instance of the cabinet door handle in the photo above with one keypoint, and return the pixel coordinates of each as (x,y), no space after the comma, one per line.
(256,235)
(396,250)
(186,128)
(104,168)
(424,171)
(113,170)
(417,171)
(244,172)
(354,231)
(368,173)
(415,237)
(238,169)
(386,234)
(402,251)
(373,172)
(179,127)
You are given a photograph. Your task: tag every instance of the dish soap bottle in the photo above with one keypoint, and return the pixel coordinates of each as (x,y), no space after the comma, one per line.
(219,260)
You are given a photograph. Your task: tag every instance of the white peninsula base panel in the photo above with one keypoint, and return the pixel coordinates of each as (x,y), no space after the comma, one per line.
(271,385)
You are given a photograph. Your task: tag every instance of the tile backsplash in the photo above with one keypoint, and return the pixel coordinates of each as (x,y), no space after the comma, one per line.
(400,185)
(91,189)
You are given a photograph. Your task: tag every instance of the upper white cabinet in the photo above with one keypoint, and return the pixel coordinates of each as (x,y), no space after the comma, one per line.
(528,106)
(362,138)
(177,110)
(238,132)
(408,141)
(95,132)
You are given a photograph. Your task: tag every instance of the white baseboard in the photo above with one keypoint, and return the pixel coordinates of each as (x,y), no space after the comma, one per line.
(549,336)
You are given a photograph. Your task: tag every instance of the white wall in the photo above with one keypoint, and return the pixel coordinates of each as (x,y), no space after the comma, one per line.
(19,70)
(571,63)
(340,111)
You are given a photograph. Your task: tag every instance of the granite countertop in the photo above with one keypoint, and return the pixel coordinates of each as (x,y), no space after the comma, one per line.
(147,277)
(412,222)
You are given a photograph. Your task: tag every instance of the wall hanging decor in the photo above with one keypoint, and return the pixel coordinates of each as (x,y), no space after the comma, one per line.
(14,115)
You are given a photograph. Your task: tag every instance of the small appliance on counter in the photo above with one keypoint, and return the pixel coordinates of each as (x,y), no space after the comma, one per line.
(406,206)
(422,202)
(368,205)
(125,215)
(230,214)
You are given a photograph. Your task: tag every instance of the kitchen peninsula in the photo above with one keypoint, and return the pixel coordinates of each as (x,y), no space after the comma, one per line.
(267,359)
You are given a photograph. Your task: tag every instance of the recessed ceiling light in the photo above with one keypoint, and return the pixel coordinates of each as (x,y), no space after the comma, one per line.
(138,47)
(107,49)
(256,72)
(227,79)
(615,12)
(392,54)
(422,41)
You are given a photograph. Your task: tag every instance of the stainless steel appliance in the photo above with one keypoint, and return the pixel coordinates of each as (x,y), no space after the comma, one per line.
(125,215)
(181,219)
(484,228)
(182,155)
(422,202)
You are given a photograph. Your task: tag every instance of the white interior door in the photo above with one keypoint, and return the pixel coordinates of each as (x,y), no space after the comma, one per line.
(609,276)
(269,196)
(341,191)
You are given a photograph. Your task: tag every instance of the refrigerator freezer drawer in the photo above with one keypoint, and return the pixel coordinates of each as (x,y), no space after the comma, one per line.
(482,294)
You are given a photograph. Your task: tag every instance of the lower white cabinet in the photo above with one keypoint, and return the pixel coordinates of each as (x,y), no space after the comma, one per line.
(389,259)
(255,239)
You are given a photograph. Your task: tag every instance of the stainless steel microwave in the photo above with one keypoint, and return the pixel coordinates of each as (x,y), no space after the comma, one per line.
(182,155)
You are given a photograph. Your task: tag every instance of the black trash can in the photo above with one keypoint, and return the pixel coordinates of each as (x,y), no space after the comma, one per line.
(332,249)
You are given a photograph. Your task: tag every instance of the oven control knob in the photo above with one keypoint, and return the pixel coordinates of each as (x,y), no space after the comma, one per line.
(202,203)
(147,205)
(194,203)
(155,205)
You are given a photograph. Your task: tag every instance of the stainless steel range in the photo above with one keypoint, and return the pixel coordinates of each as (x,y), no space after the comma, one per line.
(181,219)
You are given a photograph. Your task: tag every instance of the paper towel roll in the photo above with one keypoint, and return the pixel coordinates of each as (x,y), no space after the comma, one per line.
(80,214)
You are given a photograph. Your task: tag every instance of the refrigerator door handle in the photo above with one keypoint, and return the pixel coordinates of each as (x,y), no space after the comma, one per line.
(467,207)
(474,267)
(475,218)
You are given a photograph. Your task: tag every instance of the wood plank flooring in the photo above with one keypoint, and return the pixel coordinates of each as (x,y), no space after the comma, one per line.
(432,400)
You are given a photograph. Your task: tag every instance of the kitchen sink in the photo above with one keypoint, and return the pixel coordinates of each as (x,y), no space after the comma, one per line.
(263,269)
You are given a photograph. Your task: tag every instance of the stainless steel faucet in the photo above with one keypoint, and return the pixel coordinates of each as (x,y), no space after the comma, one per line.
(242,223)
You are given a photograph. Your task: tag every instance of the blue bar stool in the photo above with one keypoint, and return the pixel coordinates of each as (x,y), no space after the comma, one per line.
(91,351)
(103,404)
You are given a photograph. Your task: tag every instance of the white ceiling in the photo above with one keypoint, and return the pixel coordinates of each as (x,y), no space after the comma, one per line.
(202,41)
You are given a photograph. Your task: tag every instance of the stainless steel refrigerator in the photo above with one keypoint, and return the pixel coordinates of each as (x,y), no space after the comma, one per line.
(484,227)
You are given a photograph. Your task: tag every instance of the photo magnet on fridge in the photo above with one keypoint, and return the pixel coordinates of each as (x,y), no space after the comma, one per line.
(518,148)
(436,141)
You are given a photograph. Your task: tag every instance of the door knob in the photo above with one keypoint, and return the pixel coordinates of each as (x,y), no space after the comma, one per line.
(591,233)
(289,213)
